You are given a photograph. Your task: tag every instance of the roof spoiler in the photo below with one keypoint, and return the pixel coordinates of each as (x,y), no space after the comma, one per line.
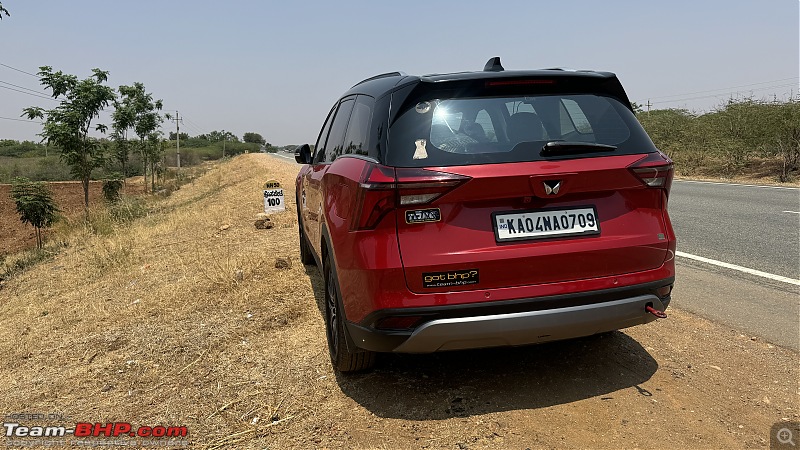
(383,75)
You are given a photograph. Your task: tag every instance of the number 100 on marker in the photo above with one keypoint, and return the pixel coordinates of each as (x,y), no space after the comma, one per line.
(273,200)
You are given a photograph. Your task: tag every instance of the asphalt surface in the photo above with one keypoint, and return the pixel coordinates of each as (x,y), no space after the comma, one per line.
(747,226)
(738,224)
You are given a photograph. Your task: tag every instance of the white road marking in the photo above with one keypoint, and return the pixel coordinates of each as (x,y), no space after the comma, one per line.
(793,212)
(283,156)
(737,184)
(740,268)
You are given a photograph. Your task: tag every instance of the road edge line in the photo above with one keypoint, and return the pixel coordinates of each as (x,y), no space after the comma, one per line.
(739,268)
(766,186)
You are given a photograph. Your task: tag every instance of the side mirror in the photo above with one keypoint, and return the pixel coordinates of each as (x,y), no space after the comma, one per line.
(302,154)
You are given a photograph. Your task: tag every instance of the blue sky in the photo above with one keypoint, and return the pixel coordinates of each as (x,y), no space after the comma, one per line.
(275,68)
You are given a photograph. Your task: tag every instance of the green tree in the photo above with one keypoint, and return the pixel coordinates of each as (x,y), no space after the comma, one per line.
(123,119)
(173,136)
(67,126)
(34,204)
(140,112)
(219,136)
(254,138)
(154,148)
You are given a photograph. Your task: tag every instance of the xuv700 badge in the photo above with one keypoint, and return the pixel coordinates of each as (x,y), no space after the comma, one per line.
(423,215)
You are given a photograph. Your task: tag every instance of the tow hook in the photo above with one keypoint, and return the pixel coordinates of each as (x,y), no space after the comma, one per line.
(655,312)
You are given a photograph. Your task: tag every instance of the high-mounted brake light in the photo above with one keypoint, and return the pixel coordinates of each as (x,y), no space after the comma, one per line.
(382,189)
(498,83)
(654,170)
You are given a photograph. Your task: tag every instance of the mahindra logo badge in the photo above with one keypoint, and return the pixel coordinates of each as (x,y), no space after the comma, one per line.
(552,187)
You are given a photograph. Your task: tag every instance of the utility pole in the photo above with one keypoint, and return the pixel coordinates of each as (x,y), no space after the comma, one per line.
(648,106)
(177,121)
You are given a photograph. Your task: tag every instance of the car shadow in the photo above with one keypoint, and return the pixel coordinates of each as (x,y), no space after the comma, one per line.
(466,383)
(472,382)
(317,285)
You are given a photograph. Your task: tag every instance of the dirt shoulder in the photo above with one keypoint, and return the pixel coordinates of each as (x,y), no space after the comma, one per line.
(183,319)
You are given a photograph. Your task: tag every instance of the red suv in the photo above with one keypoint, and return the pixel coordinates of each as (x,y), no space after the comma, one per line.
(484,209)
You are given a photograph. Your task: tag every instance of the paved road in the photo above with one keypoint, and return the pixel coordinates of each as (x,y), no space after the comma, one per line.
(737,224)
(286,156)
(746,226)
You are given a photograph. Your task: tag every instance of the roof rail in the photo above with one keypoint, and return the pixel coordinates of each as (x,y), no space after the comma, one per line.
(383,75)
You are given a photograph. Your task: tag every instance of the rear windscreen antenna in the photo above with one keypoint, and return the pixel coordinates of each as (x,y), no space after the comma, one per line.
(493,65)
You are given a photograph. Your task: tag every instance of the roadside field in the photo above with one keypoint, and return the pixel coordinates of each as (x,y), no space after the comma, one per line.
(182,319)
(68,195)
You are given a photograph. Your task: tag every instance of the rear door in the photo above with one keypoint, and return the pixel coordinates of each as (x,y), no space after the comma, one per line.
(522,218)
(312,195)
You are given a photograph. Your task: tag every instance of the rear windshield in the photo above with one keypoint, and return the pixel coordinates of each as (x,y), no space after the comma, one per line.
(485,130)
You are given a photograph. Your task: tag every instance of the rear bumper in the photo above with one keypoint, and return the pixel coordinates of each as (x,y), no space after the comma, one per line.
(510,324)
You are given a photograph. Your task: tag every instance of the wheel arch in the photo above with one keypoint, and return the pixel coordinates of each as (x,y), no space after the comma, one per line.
(327,254)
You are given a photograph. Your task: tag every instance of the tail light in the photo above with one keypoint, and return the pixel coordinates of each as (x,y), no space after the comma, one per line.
(382,189)
(654,170)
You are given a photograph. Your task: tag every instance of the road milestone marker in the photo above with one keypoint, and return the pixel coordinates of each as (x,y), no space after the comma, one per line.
(273,197)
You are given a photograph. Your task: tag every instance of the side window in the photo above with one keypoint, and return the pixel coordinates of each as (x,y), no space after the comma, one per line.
(335,141)
(485,121)
(319,147)
(517,106)
(574,115)
(355,141)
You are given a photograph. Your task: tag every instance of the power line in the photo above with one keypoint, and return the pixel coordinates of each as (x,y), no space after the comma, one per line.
(19,70)
(21,87)
(725,94)
(21,120)
(193,125)
(28,93)
(726,89)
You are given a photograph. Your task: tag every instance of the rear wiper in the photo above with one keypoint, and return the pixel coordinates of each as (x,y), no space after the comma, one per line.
(554,148)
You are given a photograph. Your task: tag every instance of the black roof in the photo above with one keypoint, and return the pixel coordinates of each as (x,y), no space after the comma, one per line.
(382,84)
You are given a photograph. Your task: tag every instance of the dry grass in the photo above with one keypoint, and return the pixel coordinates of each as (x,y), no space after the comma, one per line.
(178,319)
(150,324)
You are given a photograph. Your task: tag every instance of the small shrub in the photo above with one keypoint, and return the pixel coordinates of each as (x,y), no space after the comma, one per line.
(35,205)
(127,209)
(112,187)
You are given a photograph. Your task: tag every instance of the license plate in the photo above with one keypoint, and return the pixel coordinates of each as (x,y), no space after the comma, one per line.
(545,224)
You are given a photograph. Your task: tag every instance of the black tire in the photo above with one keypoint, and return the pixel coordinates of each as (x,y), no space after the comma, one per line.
(306,257)
(342,358)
